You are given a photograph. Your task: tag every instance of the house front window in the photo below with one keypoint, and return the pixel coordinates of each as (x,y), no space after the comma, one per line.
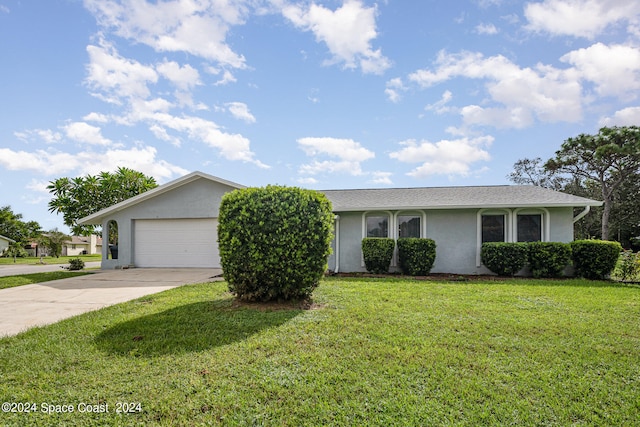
(408,226)
(493,228)
(529,228)
(377,226)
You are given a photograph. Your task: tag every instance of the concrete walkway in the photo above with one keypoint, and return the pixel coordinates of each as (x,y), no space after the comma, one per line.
(23,307)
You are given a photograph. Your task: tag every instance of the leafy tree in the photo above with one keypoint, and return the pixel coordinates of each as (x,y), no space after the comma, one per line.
(15,250)
(532,172)
(52,242)
(609,158)
(13,227)
(79,197)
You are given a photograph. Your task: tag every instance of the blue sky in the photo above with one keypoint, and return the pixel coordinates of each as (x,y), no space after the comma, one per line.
(321,94)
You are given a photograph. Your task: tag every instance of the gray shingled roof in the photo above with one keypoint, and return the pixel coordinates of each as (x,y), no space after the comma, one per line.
(503,196)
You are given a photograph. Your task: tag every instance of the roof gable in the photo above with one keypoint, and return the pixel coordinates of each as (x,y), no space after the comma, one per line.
(96,218)
(501,196)
(7,239)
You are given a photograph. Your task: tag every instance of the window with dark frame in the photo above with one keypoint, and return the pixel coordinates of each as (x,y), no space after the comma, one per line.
(530,228)
(493,228)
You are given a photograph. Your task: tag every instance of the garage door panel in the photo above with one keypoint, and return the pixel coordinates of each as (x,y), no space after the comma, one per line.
(176,243)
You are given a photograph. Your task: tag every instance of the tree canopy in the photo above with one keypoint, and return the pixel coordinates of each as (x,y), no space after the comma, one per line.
(79,197)
(609,158)
(605,166)
(13,227)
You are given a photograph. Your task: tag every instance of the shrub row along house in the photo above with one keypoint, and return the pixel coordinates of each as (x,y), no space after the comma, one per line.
(175,224)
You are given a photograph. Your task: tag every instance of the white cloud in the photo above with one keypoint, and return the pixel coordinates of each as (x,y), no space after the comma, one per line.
(184,77)
(231,146)
(348,32)
(117,77)
(348,152)
(519,94)
(46,135)
(488,29)
(331,166)
(55,163)
(379,177)
(96,117)
(240,111)
(441,107)
(307,180)
(626,117)
(394,87)
(83,132)
(345,149)
(579,18)
(196,27)
(445,157)
(614,70)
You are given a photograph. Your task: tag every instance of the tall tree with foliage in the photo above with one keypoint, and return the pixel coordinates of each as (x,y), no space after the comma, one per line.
(609,158)
(532,172)
(13,227)
(79,197)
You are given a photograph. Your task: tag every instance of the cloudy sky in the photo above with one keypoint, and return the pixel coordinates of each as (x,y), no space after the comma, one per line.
(322,94)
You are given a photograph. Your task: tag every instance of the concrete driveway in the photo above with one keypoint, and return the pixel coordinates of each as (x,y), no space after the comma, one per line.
(26,306)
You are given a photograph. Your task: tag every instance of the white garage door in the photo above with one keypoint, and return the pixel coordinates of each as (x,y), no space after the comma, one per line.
(176,243)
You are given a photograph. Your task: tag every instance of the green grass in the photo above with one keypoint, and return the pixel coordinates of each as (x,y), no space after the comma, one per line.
(375,352)
(49,260)
(28,279)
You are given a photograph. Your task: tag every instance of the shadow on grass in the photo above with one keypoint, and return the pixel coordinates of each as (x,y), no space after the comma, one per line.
(188,328)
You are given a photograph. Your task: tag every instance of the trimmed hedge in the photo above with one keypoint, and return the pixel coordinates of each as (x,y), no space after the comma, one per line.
(595,259)
(548,259)
(504,259)
(416,255)
(377,253)
(274,241)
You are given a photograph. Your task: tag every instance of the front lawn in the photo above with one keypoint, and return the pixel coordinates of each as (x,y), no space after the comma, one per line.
(369,352)
(28,279)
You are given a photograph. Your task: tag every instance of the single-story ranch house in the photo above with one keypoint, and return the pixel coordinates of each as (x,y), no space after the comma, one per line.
(175,224)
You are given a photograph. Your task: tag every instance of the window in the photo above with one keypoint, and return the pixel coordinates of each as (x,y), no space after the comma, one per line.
(492,228)
(377,226)
(408,226)
(529,228)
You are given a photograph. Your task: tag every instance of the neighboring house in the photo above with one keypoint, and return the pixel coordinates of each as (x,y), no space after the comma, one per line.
(4,243)
(82,245)
(175,224)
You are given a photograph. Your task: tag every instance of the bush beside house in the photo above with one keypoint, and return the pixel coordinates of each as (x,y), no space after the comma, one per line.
(274,242)
(504,259)
(548,259)
(595,259)
(416,255)
(377,253)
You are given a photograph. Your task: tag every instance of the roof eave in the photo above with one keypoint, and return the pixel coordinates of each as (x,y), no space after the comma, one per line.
(454,207)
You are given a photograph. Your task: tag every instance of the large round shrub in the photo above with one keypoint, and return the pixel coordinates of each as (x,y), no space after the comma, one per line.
(504,259)
(548,259)
(274,242)
(595,259)
(416,255)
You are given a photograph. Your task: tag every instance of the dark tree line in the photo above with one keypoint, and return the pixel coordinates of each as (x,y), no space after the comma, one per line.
(604,166)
